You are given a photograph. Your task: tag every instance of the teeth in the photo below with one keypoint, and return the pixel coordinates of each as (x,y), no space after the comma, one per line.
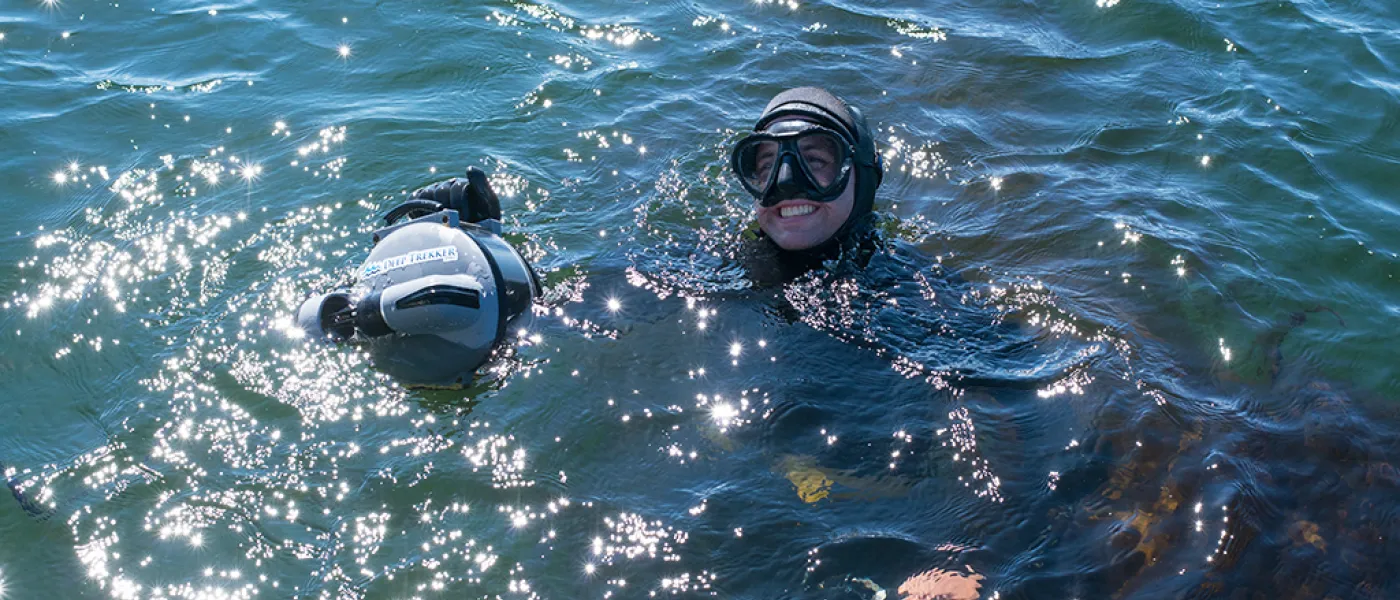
(797,211)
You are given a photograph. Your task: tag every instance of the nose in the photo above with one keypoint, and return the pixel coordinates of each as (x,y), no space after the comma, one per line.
(784,173)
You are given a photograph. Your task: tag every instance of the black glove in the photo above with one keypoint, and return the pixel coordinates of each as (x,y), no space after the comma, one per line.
(472,197)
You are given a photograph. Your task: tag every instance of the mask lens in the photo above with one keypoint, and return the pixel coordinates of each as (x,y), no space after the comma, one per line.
(824,156)
(756,161)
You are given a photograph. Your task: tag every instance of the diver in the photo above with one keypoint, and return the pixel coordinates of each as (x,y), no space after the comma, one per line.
(438,293)
(812,168)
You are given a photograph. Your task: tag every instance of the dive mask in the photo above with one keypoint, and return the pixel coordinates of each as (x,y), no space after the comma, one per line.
(793,159)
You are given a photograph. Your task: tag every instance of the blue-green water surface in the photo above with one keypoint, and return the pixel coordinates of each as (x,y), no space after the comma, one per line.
(1132,336)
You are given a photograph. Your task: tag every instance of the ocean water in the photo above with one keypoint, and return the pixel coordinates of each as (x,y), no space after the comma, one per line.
(1133,336)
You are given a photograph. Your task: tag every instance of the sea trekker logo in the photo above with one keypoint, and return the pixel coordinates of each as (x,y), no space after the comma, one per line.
(442,253)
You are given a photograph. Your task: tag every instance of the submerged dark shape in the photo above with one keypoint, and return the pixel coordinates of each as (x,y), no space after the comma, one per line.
(882,556)
(1270,343)
(30,506)
(437,295)
(1299,487)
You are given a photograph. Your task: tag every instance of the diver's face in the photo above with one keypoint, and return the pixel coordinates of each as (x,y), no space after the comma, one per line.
(799,223)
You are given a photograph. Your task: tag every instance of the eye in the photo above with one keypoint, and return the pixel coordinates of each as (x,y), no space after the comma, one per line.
(821,154)
(763,162)
(818,149)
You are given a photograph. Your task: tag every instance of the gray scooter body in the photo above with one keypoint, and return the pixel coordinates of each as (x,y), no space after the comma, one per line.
(432,300)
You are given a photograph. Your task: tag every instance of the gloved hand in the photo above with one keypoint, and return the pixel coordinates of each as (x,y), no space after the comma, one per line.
(472,197)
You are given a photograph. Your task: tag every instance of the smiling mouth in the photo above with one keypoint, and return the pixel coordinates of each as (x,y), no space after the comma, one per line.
(796,211)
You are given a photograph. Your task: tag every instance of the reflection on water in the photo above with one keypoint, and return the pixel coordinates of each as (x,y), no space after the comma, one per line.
(1117,345)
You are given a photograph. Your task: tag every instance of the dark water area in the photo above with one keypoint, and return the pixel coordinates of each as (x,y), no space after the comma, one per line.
(1131,336)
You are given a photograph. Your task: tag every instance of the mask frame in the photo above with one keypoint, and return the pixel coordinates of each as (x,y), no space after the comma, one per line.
(799,181)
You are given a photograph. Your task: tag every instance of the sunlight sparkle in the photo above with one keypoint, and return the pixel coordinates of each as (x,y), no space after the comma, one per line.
(251,172)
